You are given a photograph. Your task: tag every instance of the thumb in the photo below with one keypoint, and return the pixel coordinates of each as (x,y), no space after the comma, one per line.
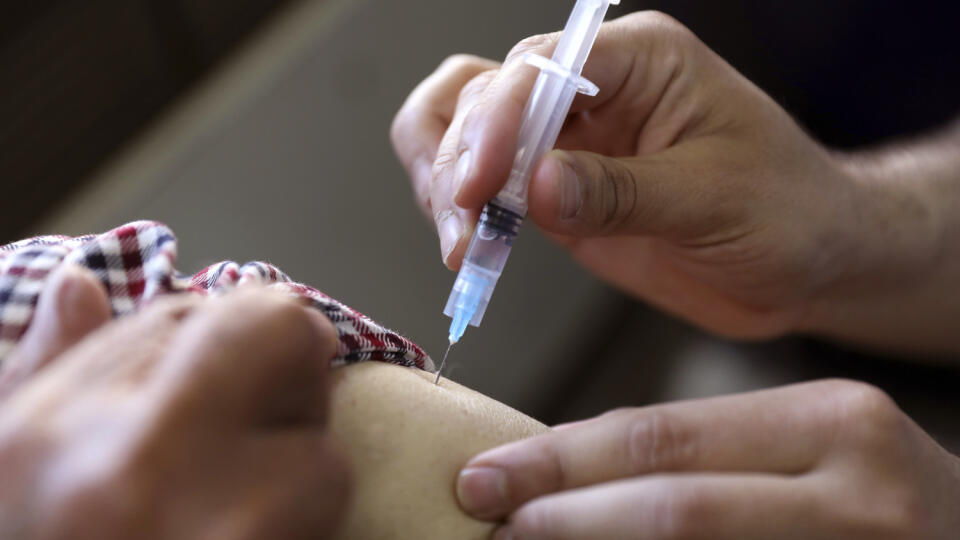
(586,194)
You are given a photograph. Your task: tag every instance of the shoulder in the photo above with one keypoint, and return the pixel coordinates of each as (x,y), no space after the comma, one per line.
(408,439)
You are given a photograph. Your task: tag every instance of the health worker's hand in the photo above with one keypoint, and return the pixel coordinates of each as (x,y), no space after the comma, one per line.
(195,418)
(823,460)
(681,182)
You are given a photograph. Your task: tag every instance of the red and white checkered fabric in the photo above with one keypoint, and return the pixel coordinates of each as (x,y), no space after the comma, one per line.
(135,262)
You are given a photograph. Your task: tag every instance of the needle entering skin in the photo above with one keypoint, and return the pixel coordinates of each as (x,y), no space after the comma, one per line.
(443,362)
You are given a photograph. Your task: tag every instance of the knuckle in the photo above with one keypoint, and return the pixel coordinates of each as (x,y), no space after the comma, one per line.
(559,474)
(534,520)
(531,44)
(865,403)
(656,26)
(617,196)
(460,62)
(658,441)
(459,66)
(397,127)
(679,514)
(453,61)
(865,414)
(475,86)
(663,22)
(661,19)
(440,216)
(444,162)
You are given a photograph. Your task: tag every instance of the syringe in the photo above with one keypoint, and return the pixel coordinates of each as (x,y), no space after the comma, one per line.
(543,117)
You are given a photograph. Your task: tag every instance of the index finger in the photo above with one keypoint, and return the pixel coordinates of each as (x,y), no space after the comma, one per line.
(252,357)
(423,119)
(763,432)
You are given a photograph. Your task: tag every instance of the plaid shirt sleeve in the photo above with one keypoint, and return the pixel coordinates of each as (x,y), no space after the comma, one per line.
(135,262)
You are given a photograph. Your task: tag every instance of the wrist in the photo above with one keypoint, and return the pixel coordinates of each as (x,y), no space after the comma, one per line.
(898,220)
(899,242)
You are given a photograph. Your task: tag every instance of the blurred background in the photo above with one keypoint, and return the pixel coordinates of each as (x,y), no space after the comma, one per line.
(257,129)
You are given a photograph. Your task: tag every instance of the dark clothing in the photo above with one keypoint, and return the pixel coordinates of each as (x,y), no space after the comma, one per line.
(853,72)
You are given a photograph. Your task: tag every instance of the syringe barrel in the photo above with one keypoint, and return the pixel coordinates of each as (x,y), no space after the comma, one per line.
(543,118)
(549,103)
(483,262)
(580,32)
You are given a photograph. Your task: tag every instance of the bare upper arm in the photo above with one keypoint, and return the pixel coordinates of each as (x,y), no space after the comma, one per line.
(407,439)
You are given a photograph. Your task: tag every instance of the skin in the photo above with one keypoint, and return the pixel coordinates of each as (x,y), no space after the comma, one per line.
(687,187)
(159,406)
(161,400)
(72,305)
(408,438)
(188,420)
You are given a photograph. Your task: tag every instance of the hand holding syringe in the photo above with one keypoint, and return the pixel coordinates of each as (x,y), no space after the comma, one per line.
(682,184)
(544,115)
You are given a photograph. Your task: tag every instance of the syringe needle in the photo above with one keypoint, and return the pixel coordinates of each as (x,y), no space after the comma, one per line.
(443,362)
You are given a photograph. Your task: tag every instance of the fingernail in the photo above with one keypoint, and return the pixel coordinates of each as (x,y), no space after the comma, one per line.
(464,164)
(450,229)
(569,190)
(503,533)
(482,491)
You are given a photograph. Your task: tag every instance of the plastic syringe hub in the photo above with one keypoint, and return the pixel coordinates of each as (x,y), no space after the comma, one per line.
(543,117)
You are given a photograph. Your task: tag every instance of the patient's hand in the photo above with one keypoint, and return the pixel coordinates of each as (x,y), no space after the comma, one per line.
(196,418)
(129,434)
(408,439)
(72,305)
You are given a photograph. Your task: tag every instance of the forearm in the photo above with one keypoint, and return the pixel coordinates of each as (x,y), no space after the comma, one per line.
(900,290)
